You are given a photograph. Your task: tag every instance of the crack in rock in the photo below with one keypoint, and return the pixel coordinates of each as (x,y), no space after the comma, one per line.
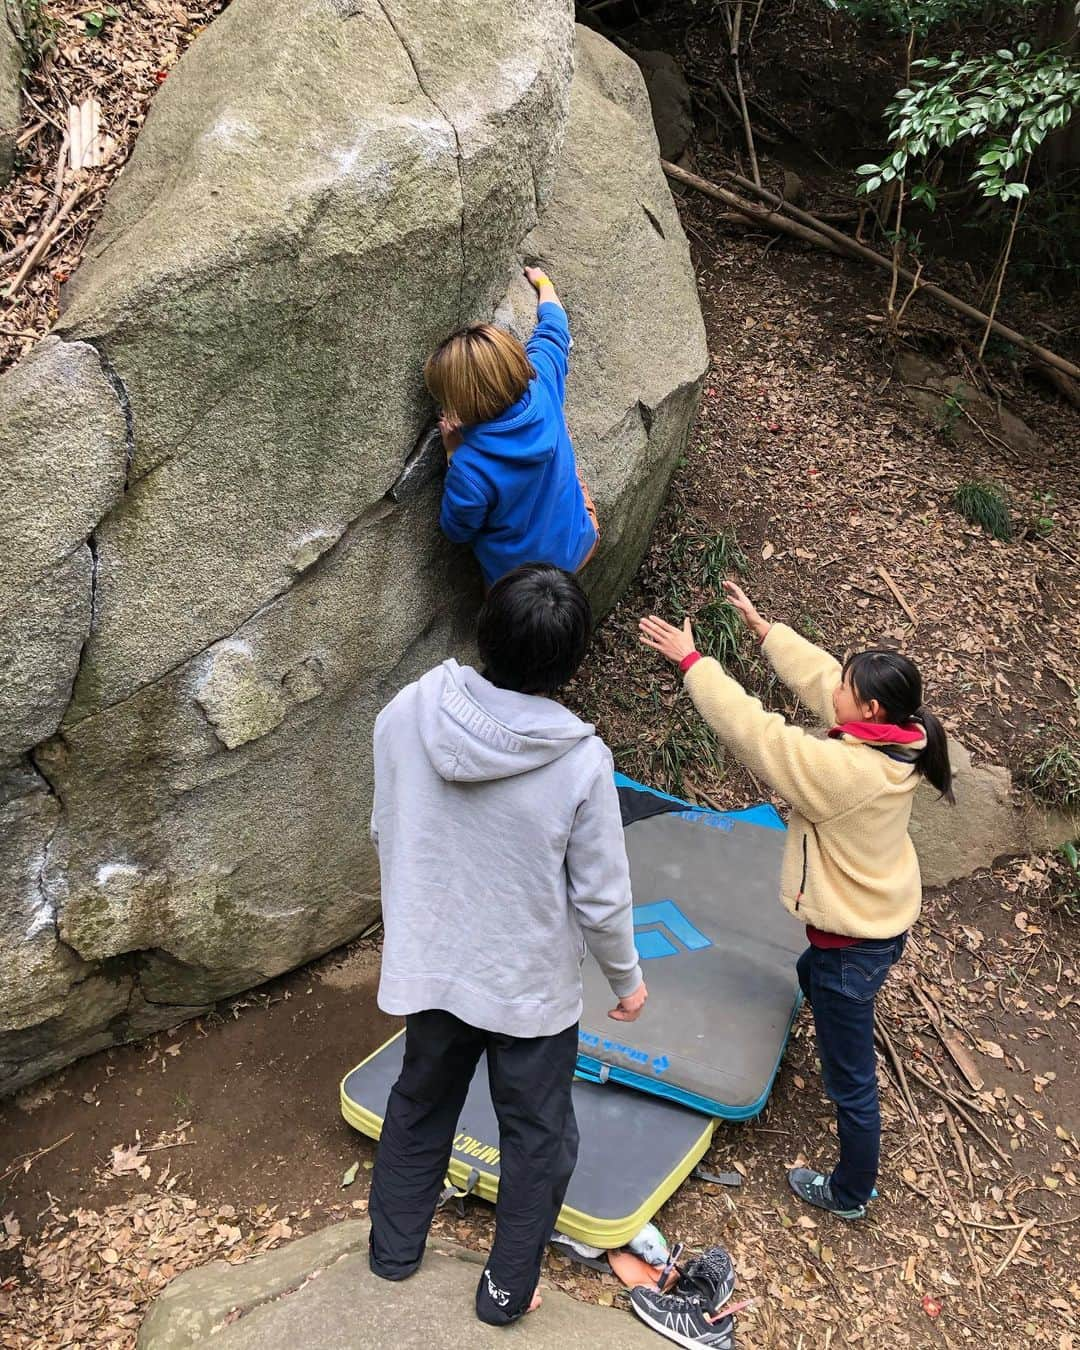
(370,516)
(48,911)
(457,141)
(119,388)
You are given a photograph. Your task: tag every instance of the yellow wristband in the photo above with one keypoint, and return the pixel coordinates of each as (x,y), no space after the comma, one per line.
(543,280)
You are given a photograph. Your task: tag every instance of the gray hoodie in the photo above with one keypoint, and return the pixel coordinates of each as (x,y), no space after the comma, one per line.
(502,855)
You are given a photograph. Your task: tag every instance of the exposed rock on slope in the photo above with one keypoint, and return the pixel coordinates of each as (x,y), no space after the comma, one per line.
(224,595)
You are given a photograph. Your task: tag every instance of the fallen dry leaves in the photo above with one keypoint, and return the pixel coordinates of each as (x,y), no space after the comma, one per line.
(89,1275)
(119,69)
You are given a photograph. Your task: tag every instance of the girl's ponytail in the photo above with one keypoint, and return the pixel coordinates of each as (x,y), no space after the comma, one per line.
(895,683)
(934,761)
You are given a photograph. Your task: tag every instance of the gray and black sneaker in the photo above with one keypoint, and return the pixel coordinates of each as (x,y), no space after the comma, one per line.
(688,1313)
(814,1188)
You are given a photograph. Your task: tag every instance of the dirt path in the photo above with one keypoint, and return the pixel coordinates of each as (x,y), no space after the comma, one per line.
(252,1090)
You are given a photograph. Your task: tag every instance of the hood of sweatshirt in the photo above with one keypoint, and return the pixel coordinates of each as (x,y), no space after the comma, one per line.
(522,435)
(474,732)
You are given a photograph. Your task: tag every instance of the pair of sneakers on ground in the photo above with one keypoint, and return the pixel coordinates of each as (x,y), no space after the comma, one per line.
(691,1312)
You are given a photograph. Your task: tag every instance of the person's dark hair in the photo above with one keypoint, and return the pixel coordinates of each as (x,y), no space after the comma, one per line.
(534,629)
(895,682)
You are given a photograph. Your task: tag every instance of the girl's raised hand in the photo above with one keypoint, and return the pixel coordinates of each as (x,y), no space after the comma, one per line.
(741,602)
(674,643)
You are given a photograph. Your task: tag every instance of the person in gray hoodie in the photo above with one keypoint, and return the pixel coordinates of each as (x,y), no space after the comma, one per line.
(501,849)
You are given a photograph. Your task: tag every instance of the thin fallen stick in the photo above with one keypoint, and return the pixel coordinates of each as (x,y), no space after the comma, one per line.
(844,243)
(771,219)
(990,1227)
(953,1048)
(748,130)
(1056,548)
(1024,1231)
(54,206)
(901,1078)
(39,109)
(883,574)
(47,235)
(962,1112)
(30,132)
(27,1161)
(961,1151)
(988,436)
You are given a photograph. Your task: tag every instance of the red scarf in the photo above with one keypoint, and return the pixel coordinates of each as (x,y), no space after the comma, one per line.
(881,733)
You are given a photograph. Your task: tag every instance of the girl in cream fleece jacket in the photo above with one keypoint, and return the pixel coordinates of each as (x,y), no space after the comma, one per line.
(850,872)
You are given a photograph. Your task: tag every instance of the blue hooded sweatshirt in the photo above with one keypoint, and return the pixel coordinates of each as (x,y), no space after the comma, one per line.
(512,488)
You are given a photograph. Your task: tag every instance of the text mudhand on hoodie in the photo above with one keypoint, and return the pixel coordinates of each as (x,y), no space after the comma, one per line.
(512,488)
(502,855)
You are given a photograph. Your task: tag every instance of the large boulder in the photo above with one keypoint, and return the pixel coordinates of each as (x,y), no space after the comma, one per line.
(320,193)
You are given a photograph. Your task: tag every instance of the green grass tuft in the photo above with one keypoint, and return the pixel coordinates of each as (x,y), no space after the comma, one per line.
(1068,889)
(705,560)
(985,505)
(720,632)
(1055,778)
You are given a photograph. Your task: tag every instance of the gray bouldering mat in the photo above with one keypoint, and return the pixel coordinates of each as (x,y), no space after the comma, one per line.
(718,951)
(634,1151)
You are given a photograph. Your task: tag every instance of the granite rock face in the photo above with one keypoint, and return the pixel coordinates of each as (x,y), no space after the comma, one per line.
(218,589)
(11,60)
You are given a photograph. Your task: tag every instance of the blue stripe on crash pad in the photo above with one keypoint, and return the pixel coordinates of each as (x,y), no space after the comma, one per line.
(595,1072)
(764,815)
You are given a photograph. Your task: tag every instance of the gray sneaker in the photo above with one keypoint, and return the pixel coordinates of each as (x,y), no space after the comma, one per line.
(814,1188)
(690,1313)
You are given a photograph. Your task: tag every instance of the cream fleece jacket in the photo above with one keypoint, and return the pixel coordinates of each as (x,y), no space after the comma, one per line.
(849,864)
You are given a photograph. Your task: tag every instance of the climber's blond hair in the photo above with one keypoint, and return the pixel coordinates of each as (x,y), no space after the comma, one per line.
(476,374)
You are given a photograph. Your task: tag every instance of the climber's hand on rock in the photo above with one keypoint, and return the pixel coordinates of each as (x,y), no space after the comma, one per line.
(545,289)
(537,277)
(451,435)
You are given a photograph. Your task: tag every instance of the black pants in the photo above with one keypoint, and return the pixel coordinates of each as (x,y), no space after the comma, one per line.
(841,984)
(530,1081)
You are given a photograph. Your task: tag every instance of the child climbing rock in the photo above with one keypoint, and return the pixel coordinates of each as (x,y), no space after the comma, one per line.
(850,870)
(501,849)
(512,486)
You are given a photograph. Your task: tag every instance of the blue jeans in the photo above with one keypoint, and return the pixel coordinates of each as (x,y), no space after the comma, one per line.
(840,984)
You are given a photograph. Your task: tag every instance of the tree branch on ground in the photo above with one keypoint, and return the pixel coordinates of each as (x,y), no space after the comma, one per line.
(822,235)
